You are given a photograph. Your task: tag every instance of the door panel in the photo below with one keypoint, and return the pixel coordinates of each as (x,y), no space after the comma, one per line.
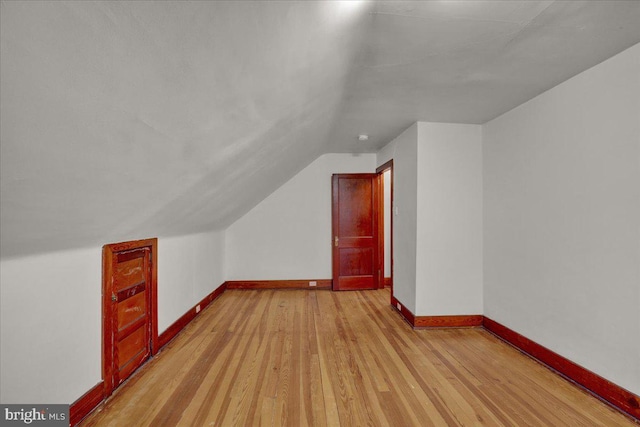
(133,309)
(356,208)
(130,347)
(355,261)
(355,228)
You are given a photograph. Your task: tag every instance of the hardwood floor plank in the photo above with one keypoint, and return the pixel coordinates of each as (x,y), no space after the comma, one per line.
(321,358)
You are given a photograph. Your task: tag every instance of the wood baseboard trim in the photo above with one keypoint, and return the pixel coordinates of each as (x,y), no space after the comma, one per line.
(386,282)
(428,322)
(456,321)
(89,401)
(177,326)
(406,314)
(279,284)
(623,400)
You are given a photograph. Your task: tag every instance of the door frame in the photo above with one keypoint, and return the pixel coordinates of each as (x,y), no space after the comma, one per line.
(380,170)
(108,252)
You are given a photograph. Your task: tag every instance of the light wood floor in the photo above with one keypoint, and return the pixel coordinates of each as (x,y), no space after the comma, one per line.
(321,358)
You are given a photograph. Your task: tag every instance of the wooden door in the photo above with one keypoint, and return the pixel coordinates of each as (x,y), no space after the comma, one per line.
(355,232)
(128,312)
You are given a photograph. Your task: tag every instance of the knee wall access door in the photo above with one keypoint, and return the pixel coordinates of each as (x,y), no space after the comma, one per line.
(129,309)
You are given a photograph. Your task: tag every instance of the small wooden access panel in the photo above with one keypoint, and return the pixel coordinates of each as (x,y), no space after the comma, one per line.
(355,231)
(129,312)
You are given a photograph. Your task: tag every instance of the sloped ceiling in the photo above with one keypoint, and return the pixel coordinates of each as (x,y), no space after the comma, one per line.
(124,120)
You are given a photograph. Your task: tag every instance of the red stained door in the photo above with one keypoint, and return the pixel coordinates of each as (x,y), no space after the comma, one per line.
(128,315)
(355,232)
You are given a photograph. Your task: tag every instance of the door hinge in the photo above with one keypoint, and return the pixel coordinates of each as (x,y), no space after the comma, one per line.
(335,241)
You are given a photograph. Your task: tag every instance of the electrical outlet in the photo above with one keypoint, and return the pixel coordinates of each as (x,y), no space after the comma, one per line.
(313,283)
(197,308)
(399,306)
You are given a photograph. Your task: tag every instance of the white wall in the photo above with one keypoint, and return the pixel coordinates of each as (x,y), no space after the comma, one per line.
(437,233)
(50,330)
(449,222)
(562,219)
(189,268)
(403,151)
(50,312)
(287,236)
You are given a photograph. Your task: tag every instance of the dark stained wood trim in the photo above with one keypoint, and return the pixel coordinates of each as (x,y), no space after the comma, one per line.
(386,281)
(278,284)
(177,326)
(108,252)
(154,297)
(334,232)
(82,407)
(404,311)
(460,321)
(107,327)
(383,167)
(425,322)
(623,400)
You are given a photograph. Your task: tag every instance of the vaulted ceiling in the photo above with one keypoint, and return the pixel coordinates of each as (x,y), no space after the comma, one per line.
(123,120)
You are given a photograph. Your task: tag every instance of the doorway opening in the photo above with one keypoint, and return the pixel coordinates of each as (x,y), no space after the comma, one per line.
(385,233)
(129,309)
